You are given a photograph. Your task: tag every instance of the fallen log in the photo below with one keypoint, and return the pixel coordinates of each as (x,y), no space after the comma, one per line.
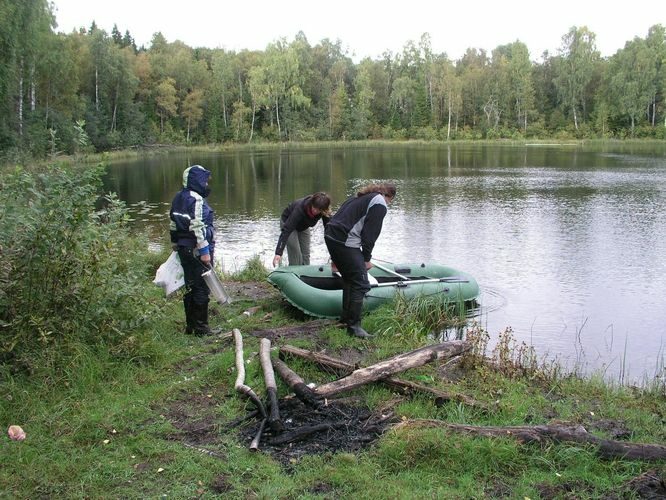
(607,448)
(296,383)
(396,364)
(274,421)
(240,377)
(404,386)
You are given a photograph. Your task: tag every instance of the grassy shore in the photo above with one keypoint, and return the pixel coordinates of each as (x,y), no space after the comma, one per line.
(164,427)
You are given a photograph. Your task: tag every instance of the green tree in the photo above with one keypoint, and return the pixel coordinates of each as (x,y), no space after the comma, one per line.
(191,110)
(575,71)
(166,100)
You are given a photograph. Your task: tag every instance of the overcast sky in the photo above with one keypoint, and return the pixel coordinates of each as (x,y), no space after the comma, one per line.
(369,27)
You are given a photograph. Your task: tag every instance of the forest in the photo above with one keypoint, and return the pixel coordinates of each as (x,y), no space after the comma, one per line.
(90,91)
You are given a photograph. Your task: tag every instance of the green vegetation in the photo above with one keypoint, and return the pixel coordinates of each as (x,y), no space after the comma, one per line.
(91,91)
(117,402)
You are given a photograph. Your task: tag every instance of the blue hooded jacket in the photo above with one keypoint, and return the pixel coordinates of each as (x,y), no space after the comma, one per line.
(191,216)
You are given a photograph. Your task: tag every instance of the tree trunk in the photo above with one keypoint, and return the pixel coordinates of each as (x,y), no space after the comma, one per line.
(33,98)
(448,125)
(96,89)
(20,99)
(393,365)
(277,116)
(252,126)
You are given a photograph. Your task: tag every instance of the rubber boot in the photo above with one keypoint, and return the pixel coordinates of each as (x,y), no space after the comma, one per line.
(189,315)
(201,327)
(354,327)
(346,304)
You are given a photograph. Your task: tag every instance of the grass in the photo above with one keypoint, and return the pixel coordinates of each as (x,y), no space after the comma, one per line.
(109,429)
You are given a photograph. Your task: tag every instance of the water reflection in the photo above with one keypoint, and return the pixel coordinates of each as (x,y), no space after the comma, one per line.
(567,242)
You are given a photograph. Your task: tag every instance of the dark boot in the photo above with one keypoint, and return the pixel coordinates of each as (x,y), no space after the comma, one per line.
(201,327)
(354,327)
(346,304)
(189,315)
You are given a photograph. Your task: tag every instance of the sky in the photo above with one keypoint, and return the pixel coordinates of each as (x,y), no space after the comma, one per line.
(368,28)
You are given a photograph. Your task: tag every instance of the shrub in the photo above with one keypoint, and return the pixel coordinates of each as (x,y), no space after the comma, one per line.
(70,272)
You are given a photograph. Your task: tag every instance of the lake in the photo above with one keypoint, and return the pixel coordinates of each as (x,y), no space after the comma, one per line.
(568,241)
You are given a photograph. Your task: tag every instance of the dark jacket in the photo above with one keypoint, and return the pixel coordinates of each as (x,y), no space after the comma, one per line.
(296,218)
(191,216)
(358,222)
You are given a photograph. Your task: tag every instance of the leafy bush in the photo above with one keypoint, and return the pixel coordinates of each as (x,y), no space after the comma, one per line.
(70,272)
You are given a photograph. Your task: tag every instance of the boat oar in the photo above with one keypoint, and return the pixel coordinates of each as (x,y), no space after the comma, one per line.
(450,279)
(390,271)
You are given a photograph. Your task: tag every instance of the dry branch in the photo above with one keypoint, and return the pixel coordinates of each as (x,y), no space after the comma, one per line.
(404,386)
(396,364)
(271,387)
(607,448)
(295,383)
(240,378)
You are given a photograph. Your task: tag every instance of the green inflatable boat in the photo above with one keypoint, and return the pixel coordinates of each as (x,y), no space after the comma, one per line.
(316,291)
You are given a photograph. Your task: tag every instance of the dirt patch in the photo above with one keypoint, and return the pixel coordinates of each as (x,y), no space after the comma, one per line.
(335,427)
(250,290)
(310,330)
(651,485)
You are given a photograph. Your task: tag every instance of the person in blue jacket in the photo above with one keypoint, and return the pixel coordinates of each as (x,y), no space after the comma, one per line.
(350,236)
(295,224)
(193,237)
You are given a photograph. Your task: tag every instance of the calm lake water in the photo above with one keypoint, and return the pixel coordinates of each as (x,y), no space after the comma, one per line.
(568,242)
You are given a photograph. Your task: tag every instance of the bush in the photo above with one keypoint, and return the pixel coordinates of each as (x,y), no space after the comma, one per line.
(70,272)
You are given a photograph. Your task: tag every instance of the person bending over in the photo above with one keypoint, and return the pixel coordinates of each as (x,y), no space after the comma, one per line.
(350,236)
(295,224)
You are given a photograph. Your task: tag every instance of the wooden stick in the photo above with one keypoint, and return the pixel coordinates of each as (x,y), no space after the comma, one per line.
(607,448)
(240,378)
(296,383)
(404,386)
(304,432)
(274,421)
(396,364)
(254,445)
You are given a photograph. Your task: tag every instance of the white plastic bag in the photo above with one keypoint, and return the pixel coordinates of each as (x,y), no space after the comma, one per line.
(170,275)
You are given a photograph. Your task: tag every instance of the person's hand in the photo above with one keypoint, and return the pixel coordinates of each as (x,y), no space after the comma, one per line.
(276,260)
(334,268)
(368,265)
(205,258)
(174,247)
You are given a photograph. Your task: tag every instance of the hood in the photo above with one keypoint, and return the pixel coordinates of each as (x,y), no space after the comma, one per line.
(195,178)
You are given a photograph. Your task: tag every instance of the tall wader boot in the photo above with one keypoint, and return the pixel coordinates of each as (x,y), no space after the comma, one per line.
(346,304)
(189,314)
(355,329)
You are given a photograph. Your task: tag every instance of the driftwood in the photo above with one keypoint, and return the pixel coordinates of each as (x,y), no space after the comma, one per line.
(393,365)
(404,386)
(295,383)
(607,448)
(240,378)
(274,421)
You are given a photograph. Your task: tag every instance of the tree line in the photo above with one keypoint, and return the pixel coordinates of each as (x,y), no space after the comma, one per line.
(93,91)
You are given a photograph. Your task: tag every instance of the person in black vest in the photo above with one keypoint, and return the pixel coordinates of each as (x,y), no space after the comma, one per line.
(193,237)
(295,224)
(350,236)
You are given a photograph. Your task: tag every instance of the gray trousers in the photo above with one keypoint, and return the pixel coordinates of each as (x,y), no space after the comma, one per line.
(298,247)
